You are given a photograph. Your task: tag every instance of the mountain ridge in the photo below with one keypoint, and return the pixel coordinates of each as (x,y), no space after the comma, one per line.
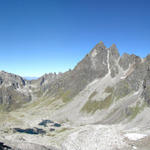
(96,64)
(105,94)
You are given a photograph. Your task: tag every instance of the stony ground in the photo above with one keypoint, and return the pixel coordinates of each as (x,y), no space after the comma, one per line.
(85,137)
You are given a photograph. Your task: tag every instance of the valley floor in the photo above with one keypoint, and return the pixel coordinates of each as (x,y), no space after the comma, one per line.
(67,136)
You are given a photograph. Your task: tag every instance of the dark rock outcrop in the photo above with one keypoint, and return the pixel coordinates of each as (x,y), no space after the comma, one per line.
(4,147)
(12,145)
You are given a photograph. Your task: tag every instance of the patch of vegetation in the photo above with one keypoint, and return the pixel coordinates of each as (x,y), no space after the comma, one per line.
(38,93)
(43,101)
(123,89)
(136,110)
(22,115)
(3,116)
(92,95)
(66,96)
(49,101)
(93,106)
(109,89)
(34,103)
(7,117)
(51,134)
(3,108)
(62,130)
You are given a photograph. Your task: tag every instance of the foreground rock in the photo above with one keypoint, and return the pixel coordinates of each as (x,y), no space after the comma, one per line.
(12,145)
(4,147)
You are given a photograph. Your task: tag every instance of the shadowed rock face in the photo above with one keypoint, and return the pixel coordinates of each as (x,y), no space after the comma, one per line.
(146,87)
(4,147)
(23,146)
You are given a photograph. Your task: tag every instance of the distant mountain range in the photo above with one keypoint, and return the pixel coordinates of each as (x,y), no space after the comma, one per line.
(30,78)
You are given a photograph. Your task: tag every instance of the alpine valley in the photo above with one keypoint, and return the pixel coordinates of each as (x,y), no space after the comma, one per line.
(102,104)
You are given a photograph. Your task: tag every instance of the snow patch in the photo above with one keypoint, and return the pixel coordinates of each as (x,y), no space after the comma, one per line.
(136,93)
(123,77)
(108,62)
(135,136)
(134,147)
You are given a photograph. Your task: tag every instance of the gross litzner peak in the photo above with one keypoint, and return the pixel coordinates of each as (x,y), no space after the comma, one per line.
(102,104)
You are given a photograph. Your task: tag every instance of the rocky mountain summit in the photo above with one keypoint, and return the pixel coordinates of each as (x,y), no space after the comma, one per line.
(105,94)
(99,63)
(96,64)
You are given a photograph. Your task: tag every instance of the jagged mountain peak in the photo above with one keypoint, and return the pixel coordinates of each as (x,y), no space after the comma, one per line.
(114,51)
(100,45)
(10,78)
(147,58)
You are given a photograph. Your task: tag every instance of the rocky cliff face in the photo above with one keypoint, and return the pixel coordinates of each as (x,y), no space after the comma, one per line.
(13,91)
(99,62)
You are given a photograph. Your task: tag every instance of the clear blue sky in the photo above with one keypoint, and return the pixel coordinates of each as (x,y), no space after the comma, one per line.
(41,36)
